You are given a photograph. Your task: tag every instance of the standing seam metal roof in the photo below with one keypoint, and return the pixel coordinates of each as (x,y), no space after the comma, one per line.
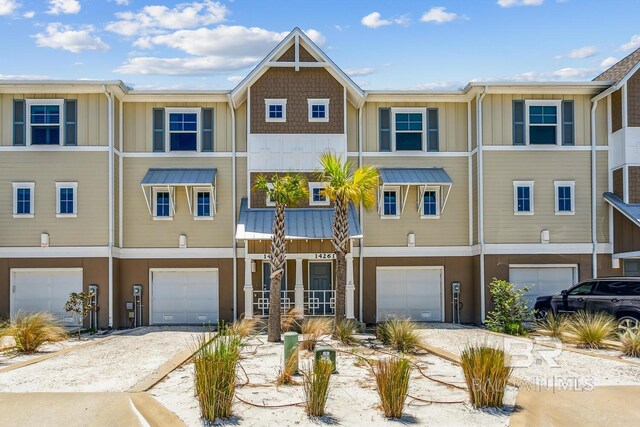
(180,176)
(414,176)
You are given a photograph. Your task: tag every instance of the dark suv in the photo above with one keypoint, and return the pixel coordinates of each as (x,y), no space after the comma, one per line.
(619,296)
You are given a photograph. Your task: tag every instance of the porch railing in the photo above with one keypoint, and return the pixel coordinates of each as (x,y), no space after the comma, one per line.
(261,302)
(319,303)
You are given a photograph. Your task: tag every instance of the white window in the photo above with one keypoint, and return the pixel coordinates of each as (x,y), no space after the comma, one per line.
(408,125)
(163,203)
(430,203)
(23,196)
(275,110)
(203,203)
(565,197)
(66,199)
(183,133)
(390,202)
(523,197)
(44,121)
(543,122)
(269,202)
(318,110)
(316,194)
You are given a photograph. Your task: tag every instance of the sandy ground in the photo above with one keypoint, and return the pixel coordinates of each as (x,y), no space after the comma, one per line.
(539,364)
(353,400)
(113,365)
(10,357)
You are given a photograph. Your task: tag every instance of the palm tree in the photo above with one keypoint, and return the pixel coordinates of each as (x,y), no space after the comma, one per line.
(285,191)
(345,185)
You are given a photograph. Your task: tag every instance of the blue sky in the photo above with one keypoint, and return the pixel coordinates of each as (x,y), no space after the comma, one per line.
(206,44)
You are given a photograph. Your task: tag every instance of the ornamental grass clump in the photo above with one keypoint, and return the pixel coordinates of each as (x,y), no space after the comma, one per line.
(553,325)
(630,340)
(400,334)
(215,362)
(392,382)
(590,330)
(244,328)
(486,373)
(285,377)
(345,330)
(32,330)
(289,320)
(313,329)
(316,380)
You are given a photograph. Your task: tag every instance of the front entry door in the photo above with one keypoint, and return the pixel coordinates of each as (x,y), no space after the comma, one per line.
(321,301)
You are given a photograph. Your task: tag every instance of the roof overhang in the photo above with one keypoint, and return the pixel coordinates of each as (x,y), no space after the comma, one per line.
(631,211)
(170,178)
(419,177)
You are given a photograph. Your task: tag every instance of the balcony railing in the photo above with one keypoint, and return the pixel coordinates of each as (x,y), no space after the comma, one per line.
(261,302)
(319,303)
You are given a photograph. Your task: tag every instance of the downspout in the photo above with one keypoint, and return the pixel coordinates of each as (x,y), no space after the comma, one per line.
(111,216)
(594,234)
(233,208)
(481,204)
(361,257)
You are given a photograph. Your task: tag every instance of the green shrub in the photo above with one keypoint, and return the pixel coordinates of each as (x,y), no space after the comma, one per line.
(392,382)
(486,374)
(316,387)
(553,325)
(31,330)
(630,340)
(400,334)
(510,309)
(590,330)
(345,330)
(215,364)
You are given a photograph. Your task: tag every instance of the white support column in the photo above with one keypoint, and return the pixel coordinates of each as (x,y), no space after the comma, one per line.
(248,285)
(299,289)
(351,288)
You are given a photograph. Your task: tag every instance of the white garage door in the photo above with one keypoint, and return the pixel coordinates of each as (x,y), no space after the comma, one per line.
(184,297)
(409,292)
(35,290)
(543,280)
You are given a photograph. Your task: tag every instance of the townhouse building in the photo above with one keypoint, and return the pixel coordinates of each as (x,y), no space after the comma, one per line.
(148,196)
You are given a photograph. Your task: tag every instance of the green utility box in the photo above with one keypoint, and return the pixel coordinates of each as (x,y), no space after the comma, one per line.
(326,353)
(291,349)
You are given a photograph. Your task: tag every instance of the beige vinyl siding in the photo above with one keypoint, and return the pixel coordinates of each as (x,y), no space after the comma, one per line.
(474,195)
(602,186)
(117,105)
(352,128)
(497,120)
(241,128)
(138,124)
(452,122)
(116,200)
(92,117)
(89,170)
(502,168)
(474,124)
(142,231)
(451,229)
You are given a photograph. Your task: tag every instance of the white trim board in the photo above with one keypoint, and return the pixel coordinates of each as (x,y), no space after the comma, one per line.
(55,252)
(182,253)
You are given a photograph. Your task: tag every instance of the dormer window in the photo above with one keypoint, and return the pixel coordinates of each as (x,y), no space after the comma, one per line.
(318,110)
(44,122)
(184,125)
(275,110)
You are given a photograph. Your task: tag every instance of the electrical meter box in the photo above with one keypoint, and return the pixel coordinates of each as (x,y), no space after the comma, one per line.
(326,353)
(129,305)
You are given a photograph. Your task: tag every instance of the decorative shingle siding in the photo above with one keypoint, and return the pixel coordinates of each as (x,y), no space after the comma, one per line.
(634,184)
(633,100)
(297,87)
(618,183)
(616,110)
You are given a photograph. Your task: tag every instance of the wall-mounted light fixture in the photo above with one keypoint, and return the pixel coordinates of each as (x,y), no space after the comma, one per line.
(44,240)
(411,240)
(182,241)
(544,236)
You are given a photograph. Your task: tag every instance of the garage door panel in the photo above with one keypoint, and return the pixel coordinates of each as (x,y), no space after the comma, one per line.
(414,293)
(185,297)
(542,280)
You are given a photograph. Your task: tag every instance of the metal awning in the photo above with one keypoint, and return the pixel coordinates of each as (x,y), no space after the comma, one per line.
(303,223)
(169,178)
(423,178)
(631,211)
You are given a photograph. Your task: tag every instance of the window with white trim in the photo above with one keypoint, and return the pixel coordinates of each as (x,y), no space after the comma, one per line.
(565,197)
(183,130)
(316,194)
(408,129)
(23,196)
(523,197)
(390,202)
(275,110)
(318,110)
(44,121)
(66,199)
(163,207)
(202,203)
(543,122)
(430,204)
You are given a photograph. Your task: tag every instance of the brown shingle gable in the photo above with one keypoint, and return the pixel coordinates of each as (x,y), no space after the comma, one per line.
(621,68)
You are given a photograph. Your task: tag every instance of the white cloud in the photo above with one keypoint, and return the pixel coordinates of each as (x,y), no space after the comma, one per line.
(7,7)
(341,27)
(316,36)
(235,79)
(155,19)
(438,86)
(374,20)
(511,3)
(63,7)
(439,15)
(184,66)
(632,44)
(29,14)
(59,36)
(583,52)
(22,77)
(608,62)
(122,2)
(359,72)
(568,73)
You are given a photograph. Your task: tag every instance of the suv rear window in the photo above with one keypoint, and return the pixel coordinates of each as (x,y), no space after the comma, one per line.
(617,288)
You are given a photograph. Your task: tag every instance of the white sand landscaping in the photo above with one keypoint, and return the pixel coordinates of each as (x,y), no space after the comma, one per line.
(9,357)
(353,400)
(115,365)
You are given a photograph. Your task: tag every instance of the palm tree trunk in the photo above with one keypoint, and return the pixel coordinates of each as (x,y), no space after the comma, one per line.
(341,246)
(278,257)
